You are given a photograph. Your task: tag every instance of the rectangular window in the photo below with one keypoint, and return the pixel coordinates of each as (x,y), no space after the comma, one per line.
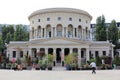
(96,53)
(70,19)
(104,53)
(38,20)
(79,20)
(48,19)
(21,54)
(14,54)
(59,18)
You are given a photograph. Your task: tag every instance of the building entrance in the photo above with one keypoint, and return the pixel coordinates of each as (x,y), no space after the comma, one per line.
(58,55)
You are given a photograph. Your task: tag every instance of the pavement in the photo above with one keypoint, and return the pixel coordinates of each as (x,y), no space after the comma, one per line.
(59,75)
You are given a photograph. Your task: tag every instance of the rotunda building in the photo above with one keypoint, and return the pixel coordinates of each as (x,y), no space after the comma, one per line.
(60,31)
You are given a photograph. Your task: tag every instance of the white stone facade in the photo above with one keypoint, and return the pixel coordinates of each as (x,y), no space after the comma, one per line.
(60,31)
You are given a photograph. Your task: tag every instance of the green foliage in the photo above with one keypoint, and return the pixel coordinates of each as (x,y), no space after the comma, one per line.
(119,34)
(68,59)
(92,60)
(100,33)
(18,61)
(20,33)
(71,58)
(8,38)
(116,60)
(98,61)
(50,58)
(113,32)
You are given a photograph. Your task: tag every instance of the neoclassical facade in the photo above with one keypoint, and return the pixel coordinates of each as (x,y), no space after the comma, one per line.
(60,31)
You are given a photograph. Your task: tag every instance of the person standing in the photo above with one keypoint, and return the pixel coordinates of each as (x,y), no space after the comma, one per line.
(93,65)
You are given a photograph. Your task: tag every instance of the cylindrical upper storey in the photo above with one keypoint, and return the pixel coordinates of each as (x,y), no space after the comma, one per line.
(50,21)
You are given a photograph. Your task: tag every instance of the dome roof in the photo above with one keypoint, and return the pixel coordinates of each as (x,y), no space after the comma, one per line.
(67,10)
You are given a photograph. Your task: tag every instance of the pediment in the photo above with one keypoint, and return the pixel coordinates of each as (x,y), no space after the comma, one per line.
(59,41)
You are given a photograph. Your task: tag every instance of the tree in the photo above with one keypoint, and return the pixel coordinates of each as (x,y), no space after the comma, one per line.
(98,61)
(11,31)
(8,38)
(119,34)
(100,33)
(113,32)
(1,44)
(116,60)
(20,34)
(4,32)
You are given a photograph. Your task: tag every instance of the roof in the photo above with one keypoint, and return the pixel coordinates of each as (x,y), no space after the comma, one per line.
(67,10)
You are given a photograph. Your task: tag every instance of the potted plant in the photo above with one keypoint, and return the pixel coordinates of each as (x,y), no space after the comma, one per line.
(37,67)
(42,64)
(68,61)
(49,61)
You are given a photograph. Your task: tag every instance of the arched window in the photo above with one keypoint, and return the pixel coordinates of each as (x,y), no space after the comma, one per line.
(70,30)
(59,30)
(48,31)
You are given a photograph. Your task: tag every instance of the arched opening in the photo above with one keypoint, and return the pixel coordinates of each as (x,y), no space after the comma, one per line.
(34,52)
(41,53)
(59,30)
(50,51)
(83,55)
(48,30)
(58,55)
(66,51)
(70,30)
(39,32)
(79,31)
(75,50)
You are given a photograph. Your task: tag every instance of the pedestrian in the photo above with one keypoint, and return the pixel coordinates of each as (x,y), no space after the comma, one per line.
(93,66)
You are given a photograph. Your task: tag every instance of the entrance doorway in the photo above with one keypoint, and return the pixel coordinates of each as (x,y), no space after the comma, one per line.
(66,51)
(58,55)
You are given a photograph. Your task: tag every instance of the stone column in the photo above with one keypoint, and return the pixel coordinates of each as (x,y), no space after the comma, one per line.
(83,36)
(41,32)
(30,53)
(30,36)
(73,32)
(36,33)
(45,32)
(62,56)
(71,50)
(87,54)
(51,31)
(55,32)
(62,31)
(77,32)
(66,31)
(54,54)
(46,50)
(38,49)
(79,57)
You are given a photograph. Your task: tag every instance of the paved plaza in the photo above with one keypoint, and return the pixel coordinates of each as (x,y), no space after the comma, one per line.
(59,75)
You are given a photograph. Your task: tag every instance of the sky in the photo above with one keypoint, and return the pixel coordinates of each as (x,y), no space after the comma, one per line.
(17,11)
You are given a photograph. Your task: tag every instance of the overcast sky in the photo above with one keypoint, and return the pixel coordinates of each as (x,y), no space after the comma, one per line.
(17,11)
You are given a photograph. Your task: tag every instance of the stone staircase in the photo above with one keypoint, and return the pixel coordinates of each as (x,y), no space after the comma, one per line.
(58,67)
